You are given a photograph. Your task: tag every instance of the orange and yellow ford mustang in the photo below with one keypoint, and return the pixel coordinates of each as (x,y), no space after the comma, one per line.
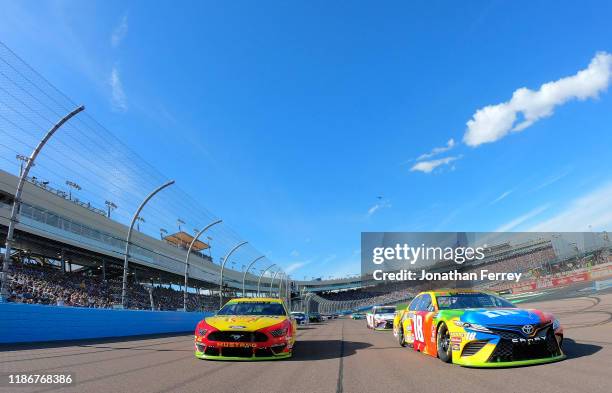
(247,329)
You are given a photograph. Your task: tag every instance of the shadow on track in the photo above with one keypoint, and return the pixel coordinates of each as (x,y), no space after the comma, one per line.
(575,350)
(90,341)
(325,349)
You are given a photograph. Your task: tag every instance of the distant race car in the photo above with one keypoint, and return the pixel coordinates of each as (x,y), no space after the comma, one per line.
(380,317)
(358,315)
(300,317)
(478,329)
(247,329)
(315,317)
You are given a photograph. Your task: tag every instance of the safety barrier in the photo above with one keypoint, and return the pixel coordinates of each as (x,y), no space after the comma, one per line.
(22,323)
(601,285)
(581,275)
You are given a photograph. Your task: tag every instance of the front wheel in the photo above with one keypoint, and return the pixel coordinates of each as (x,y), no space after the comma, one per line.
(444,344)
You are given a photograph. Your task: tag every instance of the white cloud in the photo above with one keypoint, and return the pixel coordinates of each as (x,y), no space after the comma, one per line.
(295,266)
(378,206)
(329,258)
(118,98)
(591,211)
(437,150)
(295,253)
(120,31)
(551,180)
(502,196)
(521,219)
(429,166)
(526,106)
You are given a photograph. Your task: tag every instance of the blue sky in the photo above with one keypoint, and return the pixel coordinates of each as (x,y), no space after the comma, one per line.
(295,117)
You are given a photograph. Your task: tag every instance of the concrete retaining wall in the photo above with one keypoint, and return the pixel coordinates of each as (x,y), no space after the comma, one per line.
(21,323)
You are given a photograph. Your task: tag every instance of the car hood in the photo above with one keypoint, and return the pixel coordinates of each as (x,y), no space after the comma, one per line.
(246,323)
(503,316)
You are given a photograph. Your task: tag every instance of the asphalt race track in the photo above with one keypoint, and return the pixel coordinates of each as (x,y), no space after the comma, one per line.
(335,356)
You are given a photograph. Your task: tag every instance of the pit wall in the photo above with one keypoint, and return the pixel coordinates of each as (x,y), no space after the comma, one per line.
(22,323)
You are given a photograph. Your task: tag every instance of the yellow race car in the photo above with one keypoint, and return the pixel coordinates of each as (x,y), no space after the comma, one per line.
(247,329)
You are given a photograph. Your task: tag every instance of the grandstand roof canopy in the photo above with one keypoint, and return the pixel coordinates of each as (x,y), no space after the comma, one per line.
(183,239)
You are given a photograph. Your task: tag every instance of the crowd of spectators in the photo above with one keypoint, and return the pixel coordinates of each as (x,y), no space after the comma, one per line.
(32,282)
(167,298)
(38,284)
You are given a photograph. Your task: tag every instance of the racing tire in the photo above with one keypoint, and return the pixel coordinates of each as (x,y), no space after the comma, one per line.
(400,337)
(444,344)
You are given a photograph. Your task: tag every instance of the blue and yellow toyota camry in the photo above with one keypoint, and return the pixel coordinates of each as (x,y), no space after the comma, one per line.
(247,329)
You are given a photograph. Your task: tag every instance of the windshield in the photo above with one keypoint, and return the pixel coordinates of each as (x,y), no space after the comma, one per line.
(252,308)
(385,310)
(471,300)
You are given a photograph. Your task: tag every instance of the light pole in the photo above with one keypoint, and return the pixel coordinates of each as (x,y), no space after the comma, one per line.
(288,291)
(17,199)
(110,207)
(178,223)
(209,247)
(246,271)
(73,186)
(162,232)
(261,275)
(129,237)
(197,236)
(272,283)
(138,221)
(237,246)
(23,160)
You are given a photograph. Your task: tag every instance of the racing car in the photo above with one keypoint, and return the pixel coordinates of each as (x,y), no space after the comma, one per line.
(380,317)
(479,329)
(300,317)
(315,317)
(247,329)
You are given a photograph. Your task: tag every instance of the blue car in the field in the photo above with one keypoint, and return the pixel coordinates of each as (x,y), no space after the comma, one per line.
(300,317)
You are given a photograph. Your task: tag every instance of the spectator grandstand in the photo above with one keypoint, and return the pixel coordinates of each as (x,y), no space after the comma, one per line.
(534,259)
(35,283)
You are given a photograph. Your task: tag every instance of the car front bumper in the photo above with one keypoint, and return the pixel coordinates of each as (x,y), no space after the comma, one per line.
(383,325)
(489,351)
(518,363)
(277,348)
(202,355)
